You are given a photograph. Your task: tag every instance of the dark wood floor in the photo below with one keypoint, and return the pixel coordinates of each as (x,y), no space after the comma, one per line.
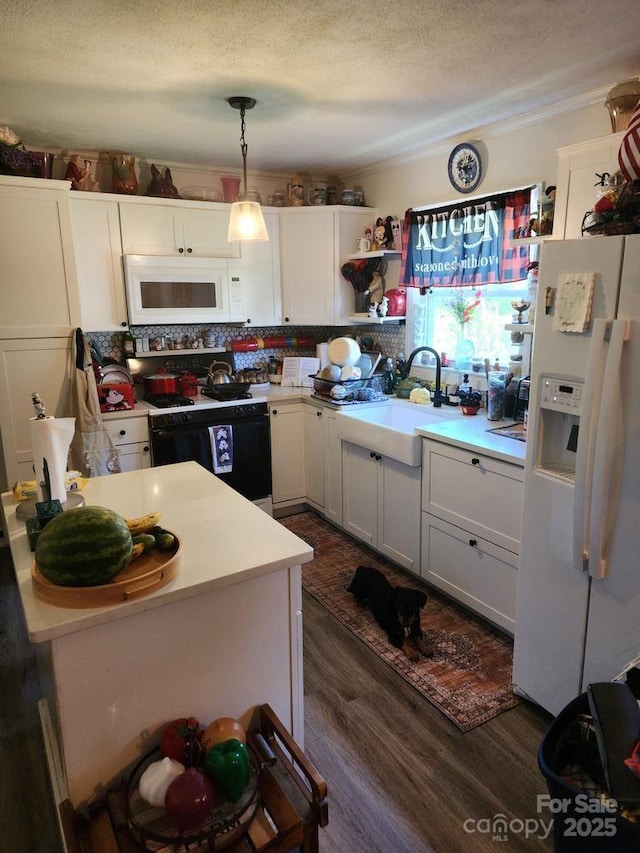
(401,777)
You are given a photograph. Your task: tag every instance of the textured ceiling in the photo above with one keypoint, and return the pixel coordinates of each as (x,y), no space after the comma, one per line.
(339,85)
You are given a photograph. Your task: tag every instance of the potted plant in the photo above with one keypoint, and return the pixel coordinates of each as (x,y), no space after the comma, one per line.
(470,402)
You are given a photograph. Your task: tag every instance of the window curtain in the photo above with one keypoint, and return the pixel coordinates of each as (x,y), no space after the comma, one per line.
(466,243)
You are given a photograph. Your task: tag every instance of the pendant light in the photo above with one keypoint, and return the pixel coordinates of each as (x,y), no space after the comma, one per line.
(246,222)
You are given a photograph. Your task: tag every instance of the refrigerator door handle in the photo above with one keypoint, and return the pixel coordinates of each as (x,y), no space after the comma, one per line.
(593,381)
(607,463)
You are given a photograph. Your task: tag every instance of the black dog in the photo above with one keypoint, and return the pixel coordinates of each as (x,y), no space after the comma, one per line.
(395,608)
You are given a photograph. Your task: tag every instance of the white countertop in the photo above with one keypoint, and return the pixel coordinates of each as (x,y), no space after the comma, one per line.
(225,539)
(473,432)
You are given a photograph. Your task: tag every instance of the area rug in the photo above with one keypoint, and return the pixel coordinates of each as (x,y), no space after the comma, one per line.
(468,676)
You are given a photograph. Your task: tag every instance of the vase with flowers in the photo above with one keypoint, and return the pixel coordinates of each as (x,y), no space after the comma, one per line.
(462,308)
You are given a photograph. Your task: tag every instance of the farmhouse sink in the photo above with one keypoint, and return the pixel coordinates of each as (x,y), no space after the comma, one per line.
(389,429)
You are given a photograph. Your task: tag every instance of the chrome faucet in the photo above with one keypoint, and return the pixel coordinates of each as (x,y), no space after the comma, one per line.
(406,367)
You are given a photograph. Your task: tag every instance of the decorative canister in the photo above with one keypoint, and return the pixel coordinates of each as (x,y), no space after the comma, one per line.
(495,395)
(296,191)
(123,177)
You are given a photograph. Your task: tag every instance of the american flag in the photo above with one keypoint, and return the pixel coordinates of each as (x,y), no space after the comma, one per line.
(629,154)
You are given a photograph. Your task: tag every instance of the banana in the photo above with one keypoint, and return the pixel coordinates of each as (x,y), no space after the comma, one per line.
(143,523)
(138,551)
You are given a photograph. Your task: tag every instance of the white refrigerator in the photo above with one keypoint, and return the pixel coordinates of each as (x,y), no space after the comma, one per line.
(578,591)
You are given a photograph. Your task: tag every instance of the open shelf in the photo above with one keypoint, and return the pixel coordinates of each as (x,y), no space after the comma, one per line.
(157,352)
(366,319)
(525,328)
(381,253)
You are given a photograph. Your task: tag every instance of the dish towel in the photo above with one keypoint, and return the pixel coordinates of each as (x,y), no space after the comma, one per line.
(222,448)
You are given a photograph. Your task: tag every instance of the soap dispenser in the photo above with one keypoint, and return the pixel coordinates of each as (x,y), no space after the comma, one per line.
(465,386)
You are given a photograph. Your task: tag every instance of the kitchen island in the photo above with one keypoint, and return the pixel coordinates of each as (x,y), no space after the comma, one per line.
(224,636)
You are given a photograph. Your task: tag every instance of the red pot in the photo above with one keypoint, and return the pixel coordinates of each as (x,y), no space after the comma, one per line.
(160,383)
(188,384)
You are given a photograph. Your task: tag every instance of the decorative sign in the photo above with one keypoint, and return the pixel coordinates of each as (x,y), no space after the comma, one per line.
(574,301)
(466,243)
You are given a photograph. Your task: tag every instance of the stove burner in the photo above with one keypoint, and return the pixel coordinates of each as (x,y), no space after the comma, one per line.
(169,401)
(225,393)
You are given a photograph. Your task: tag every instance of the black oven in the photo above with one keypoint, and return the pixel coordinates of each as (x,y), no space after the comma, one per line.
(182,436)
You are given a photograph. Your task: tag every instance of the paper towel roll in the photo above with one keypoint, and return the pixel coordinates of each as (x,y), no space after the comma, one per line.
(50,440)
(322,352)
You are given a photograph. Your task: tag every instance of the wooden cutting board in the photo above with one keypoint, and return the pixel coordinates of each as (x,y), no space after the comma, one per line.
(142,576)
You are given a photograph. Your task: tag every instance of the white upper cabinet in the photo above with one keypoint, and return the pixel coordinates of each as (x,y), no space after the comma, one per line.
(314,243)
(153,226)
(38,287)
(254,280)
(98,252)
(576,193)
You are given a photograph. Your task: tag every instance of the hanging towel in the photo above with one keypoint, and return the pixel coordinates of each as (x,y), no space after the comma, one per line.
(222,448)
(92,450)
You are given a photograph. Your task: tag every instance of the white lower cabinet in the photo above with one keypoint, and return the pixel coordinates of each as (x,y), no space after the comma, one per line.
(471,521)
(381,504)
(131,436)
(323,461)
(314,422)
(287,452)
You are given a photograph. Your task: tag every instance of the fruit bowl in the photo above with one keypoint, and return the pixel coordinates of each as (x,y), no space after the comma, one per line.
(225,824)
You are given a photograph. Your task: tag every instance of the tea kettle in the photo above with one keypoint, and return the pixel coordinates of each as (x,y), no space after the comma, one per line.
(219,373)
(397,302)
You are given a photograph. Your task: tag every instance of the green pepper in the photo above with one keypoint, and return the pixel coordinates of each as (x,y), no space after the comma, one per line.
(229,765)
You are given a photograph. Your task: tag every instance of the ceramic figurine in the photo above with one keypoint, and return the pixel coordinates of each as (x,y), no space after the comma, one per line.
(373,309)
(384,306)
(87,180)
(160,187)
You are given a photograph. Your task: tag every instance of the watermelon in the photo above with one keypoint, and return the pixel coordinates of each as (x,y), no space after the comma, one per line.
(84,546)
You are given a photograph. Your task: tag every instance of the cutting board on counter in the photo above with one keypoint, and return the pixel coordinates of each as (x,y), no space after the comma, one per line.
(148,573)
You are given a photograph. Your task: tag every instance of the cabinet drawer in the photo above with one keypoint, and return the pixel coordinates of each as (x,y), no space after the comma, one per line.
(471,570)
(128,430)
(478,493)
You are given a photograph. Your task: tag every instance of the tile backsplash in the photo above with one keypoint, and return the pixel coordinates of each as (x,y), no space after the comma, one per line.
(387,339)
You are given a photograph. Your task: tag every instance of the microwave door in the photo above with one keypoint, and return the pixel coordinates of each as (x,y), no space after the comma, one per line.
(166,290)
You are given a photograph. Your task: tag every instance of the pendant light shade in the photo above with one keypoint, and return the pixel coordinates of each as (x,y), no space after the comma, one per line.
(246,222)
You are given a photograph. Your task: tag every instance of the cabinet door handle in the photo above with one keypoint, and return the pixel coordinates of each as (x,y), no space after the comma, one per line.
(287,320)
(189,251)
(473,542)
(372,454)
(124,324)
(274,411)
(248,320)
(318,414)
(475,461)
(123,432)
(145,448)
(181,250)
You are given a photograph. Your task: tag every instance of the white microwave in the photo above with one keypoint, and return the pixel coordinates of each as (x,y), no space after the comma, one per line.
(168,290)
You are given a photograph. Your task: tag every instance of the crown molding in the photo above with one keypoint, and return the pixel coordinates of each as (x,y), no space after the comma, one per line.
(492,129)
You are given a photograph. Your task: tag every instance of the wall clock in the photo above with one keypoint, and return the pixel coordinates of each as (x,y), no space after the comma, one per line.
(465,167)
